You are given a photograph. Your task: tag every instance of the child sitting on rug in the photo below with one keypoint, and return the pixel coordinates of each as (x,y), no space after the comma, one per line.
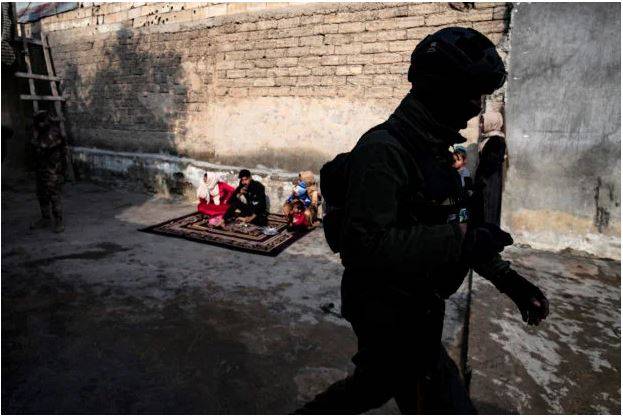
(306,192)
(297,218)
(213,195)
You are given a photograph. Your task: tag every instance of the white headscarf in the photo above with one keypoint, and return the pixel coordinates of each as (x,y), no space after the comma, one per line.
(209,187)
(492,122)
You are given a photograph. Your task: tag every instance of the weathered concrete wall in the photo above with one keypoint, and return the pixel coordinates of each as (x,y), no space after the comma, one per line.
(563,126)
(286,88)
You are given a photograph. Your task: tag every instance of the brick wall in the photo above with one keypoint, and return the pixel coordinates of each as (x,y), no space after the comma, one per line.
(275,84)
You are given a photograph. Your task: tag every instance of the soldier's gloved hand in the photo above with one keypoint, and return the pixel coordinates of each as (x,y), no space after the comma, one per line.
(530,300)
(484,242)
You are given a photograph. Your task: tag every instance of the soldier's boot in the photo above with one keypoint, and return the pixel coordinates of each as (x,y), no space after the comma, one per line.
(42,223)
(59,227)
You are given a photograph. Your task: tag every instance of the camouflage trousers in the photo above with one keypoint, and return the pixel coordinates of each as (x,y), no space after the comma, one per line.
(50,178)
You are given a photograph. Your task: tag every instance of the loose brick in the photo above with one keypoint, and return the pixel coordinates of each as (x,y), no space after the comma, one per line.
(348,70)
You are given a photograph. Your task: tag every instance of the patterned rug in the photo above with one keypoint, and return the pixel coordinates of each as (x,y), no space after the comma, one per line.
(237,236)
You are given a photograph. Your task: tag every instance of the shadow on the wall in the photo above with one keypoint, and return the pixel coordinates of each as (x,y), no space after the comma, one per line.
(134,102)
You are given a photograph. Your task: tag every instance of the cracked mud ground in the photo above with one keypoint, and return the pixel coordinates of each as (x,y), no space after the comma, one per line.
(105,319)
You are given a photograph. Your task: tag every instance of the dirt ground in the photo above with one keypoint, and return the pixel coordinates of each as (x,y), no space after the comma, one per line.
(106,319)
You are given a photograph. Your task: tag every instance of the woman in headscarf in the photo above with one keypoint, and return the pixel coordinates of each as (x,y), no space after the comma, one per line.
(489,174)
(213,195)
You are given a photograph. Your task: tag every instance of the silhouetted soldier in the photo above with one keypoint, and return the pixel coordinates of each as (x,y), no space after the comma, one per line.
(48,152)
(395,213)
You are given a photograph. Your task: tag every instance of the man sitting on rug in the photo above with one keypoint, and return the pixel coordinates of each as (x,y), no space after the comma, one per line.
(213,195)
(248,201)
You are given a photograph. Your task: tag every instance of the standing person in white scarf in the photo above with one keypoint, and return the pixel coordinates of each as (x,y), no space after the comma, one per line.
(490,171)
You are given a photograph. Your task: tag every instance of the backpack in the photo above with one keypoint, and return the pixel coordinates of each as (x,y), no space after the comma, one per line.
(333,187)
(333,184)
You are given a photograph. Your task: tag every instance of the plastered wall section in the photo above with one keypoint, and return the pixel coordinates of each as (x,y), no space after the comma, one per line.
(564,135)
(272,85)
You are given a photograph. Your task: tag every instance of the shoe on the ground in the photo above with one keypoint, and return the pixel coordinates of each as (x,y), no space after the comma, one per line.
(59,227)
(42,223)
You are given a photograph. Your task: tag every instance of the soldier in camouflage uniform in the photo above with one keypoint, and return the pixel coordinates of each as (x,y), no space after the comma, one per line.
(49,155)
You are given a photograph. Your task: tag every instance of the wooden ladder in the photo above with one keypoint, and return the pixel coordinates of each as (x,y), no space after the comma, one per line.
(50,76)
